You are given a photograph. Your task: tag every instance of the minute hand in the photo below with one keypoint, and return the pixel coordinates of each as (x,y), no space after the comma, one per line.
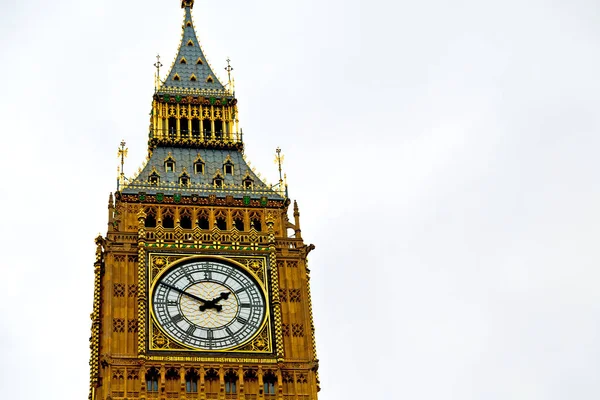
(193,296)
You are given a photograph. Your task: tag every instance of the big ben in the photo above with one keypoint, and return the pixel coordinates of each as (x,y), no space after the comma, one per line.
(201,284)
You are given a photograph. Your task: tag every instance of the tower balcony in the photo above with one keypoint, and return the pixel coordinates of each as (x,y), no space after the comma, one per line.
(196,139)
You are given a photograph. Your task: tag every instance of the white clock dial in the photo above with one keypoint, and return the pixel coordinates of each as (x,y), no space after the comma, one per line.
(208,305)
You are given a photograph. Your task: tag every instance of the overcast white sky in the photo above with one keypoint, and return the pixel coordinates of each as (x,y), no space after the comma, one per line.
(444,156)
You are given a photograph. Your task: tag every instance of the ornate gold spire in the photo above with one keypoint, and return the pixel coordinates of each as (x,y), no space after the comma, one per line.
(191,107)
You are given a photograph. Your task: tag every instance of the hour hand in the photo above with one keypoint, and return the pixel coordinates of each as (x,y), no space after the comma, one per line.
(213,302)
(222,296)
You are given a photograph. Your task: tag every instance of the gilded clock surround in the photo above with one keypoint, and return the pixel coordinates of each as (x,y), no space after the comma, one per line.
(157,220)
(256,266)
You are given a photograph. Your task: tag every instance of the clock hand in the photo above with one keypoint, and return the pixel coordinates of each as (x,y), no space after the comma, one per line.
(222,296)
(213,302)
(193,296)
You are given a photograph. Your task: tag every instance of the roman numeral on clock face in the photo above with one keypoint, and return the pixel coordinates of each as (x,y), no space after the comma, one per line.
(176,318)
(230,332)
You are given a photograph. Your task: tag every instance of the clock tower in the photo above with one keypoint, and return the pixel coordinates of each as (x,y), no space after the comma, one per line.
(201,286)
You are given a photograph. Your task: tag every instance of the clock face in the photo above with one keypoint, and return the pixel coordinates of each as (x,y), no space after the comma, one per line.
(208,305)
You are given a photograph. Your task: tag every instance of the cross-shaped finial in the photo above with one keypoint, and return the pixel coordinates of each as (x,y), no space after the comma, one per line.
(158,64)
(279,160)
(228,68)
(122,154)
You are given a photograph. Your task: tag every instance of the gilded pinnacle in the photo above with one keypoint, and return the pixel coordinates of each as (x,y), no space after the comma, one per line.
(187,3)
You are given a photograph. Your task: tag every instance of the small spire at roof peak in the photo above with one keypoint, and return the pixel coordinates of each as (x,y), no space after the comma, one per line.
(187,3)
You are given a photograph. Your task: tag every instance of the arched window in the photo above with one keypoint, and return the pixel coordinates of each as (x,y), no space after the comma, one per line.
(206,125)
(248,182)
(133,382)
(230,382)
(199,167)
(185,221)
(170,164)
(150,221)
(211,379)
(238,220)
(172,377)
(172,121)
(251,382)
(269,380)
(228,167)
(218,182)
(203,220)
(154,179)
(184,180)
(255,221)
(195,128)
(152,377)
(191,381)
(288,382)
(118,382)
(239,224)
(183,128)
(221,221)
(302,384)
(168,221)
(218,129)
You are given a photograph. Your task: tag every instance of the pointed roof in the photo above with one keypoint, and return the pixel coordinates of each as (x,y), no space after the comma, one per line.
(200,182)
(190,72)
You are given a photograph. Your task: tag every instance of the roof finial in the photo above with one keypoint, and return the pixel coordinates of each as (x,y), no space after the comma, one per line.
(121,153)
(229,68)
(187,3)
(279,160)
(157,64)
